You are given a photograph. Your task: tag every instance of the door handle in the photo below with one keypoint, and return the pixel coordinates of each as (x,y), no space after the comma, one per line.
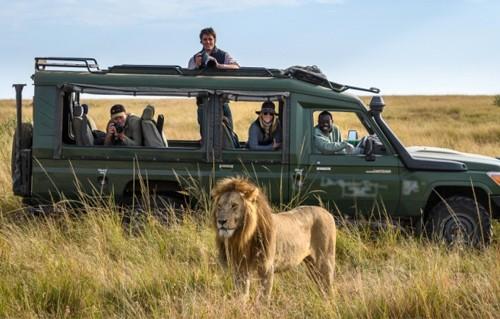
(226,166)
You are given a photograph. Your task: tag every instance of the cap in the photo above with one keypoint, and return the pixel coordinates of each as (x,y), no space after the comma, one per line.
(117,110)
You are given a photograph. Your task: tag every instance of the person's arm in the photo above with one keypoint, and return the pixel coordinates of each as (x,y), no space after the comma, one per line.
(135,138)
(229,63)
(277,138)
(278,135)
(324,146)
(253,140)
(108,140)
(228,66)
(192,63)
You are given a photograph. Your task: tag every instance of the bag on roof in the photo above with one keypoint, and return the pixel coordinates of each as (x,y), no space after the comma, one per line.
(310,73)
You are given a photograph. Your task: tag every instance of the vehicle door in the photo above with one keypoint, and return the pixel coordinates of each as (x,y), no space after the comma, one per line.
(117,170)
(268,168)
(347,183)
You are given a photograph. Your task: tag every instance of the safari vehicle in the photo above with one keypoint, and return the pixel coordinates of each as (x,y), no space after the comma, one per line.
(452,195)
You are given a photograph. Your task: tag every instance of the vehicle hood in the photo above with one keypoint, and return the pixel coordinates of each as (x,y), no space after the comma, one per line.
(473,161)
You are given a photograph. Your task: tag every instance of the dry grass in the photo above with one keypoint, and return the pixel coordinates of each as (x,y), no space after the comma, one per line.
(92,266)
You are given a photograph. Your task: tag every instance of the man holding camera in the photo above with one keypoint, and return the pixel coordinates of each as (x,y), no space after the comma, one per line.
(211,56)
(123,129)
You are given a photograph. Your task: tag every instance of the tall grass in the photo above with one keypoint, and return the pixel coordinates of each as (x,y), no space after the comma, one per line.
(93,264)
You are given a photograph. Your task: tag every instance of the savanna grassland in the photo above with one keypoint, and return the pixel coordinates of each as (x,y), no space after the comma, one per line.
(90,265)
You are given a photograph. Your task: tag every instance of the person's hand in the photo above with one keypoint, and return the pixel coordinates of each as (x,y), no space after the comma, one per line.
(198,59)
(120,136)
(111,129)
(348,148)
(217,65)
(276,145)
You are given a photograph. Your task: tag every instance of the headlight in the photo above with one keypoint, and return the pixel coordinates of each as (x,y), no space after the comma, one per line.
(495,176)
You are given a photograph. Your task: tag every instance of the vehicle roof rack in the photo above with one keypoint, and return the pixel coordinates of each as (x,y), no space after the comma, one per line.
(178,70)
(306,74)
(309,74)
(41,63)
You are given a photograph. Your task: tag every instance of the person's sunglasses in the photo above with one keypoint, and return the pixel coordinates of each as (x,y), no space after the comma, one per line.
(267,113)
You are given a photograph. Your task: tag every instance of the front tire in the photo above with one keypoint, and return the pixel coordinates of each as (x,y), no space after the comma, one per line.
(460,220)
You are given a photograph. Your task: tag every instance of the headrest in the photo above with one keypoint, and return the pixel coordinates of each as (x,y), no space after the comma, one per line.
(85,108)
(77,111)
(148,113)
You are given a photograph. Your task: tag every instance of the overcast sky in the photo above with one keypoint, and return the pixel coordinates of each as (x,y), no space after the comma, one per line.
(402,47)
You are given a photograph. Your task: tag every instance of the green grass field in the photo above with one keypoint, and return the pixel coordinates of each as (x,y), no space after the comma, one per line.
(90,265)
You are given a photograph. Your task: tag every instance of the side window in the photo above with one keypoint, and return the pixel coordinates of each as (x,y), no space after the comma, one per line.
(337,133)
(253,125)
(148,121)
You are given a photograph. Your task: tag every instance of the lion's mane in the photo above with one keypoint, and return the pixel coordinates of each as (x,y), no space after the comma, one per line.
(250,246)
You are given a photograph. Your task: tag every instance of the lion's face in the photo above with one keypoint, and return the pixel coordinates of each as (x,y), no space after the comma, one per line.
(229,214)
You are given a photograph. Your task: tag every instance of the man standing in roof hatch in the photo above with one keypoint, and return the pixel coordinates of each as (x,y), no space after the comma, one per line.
(210,55)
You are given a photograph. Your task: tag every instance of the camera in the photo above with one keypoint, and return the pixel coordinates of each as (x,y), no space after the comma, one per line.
(207,61)
(118,128)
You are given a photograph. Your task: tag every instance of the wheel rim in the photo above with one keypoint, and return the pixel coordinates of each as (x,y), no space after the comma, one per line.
(459,229)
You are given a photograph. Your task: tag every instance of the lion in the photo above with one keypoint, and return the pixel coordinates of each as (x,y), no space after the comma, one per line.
(251,239)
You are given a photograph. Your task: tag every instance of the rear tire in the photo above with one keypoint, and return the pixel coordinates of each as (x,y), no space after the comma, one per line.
(165,208)
(460,220)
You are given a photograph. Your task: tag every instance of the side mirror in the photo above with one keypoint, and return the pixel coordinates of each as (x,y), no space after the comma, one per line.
(352,135)
(369,150)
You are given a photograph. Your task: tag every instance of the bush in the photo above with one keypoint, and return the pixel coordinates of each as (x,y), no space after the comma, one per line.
(496,101)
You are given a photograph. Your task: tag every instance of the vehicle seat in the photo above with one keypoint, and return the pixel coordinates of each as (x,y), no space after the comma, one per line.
(229,138)
(150,133)
(93,126)
(81,127)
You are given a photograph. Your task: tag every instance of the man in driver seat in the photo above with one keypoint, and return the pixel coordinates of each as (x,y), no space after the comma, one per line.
(327,137)
(123,128)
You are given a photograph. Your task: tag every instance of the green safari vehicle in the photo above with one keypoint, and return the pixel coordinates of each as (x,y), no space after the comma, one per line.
(452,195)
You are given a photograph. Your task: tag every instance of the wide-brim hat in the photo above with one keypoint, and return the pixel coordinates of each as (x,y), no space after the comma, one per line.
(267,107)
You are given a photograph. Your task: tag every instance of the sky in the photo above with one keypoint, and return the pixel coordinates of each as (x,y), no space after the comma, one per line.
(401,47)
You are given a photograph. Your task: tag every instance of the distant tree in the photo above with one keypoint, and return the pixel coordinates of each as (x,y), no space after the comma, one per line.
(497,100)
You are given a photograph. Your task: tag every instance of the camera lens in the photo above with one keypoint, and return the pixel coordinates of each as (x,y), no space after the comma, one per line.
(118,128)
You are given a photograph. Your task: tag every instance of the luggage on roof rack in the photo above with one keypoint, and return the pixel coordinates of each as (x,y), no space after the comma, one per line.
(312,74)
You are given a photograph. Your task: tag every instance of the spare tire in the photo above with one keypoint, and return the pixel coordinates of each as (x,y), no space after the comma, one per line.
(25,142)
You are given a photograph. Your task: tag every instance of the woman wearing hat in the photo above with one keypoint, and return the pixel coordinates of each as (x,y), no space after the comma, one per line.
(265,133)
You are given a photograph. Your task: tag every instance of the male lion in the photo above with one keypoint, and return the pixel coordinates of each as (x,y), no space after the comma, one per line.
(250,238)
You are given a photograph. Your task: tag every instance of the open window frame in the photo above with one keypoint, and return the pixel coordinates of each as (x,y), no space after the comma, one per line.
(66,148)
(242,153)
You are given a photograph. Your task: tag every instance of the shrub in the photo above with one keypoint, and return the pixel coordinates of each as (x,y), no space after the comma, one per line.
(496,101)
